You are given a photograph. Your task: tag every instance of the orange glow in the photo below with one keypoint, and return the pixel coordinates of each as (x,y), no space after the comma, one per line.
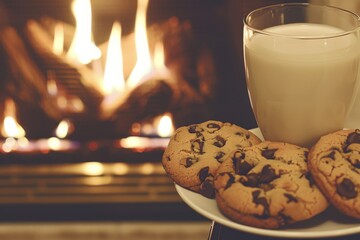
(147,168)
(64,128)
(11,128)
(114,81)
(143,64)
(83,49)
(51,85)
(159,56)
(165,127)
(93,168)
(58,44)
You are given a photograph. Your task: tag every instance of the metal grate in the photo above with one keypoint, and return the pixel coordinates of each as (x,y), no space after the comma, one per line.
(90,182)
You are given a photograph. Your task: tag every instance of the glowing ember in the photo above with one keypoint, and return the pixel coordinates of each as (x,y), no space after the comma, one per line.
(82,49)
(11,128)
(165,127)
(114,81)
(159,56)
(58,44)
(141,144)
(147,168)
(143,64)
(93,168)
(51,85)
(63,129)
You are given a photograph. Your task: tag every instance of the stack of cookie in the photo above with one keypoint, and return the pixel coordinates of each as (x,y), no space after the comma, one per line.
(265,184)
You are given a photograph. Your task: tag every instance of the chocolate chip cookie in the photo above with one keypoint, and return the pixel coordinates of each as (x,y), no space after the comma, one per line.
(268,186)
(196,151)
(335,164)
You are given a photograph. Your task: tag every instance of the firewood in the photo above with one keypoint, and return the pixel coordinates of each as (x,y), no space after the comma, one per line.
(188,59)
(146,101)
(28,82)
(77,80)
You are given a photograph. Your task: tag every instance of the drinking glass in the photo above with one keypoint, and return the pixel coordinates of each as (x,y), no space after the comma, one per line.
(301,65)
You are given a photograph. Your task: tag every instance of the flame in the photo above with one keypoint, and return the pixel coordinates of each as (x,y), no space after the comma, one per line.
(51,85)
(114,81)
(63,129)
(165,126)
(93,168)
(11,128)
(58,44)
(143,63)
(159,56)
(82,49)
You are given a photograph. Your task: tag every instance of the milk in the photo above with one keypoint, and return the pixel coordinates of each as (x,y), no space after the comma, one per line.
(301,89)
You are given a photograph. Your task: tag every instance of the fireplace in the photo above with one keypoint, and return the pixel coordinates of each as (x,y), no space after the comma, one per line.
(68,149)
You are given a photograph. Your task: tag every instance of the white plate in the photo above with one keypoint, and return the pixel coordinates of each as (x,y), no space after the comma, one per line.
(330,223)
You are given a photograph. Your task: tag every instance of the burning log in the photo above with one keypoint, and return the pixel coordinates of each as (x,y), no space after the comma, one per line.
(28,84)
(189,61)
(146,101)
(186,93)
(77,80)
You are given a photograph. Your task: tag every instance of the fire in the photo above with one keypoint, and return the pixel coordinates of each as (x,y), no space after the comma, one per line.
(82,49)
(51,84)
(93,168)
(165,127)
(143,64)
(58,44)
(159,56)
(11,128)
(114,81)
(63,129)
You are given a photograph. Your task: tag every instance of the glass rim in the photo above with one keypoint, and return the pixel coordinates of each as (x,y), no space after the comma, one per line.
(282,5)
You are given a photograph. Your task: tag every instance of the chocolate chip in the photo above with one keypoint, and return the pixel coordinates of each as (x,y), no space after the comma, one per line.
(269,153)
(197,146)
(356,164)
(213,126)
(203,173)
(190,161)
(243,168)
(237,158)
(290,198)
(353,137)
(207,188)
(219,157)
(220,141)
(192,129)
(230,181)
(261,201)
(331,155)
(238,155)
(285,219)
(267,174)
(252,180)
(200,135)
(346,188)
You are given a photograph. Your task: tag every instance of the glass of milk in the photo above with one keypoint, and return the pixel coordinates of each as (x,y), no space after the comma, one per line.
(301,64)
